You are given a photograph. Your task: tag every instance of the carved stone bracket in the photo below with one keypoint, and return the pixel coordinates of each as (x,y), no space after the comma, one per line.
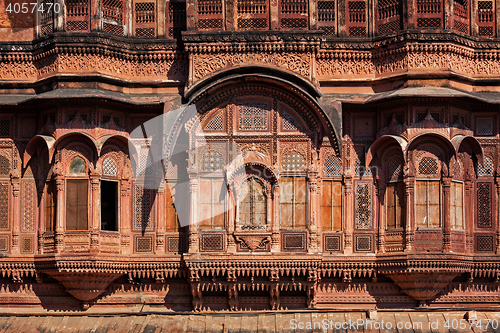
(253,242)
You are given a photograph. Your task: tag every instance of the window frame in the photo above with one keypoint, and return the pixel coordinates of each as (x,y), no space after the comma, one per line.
(117,204)
(427,180)
(293,203)
(333,181)
(395,184)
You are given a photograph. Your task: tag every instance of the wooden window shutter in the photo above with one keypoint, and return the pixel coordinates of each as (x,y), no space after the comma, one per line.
(77,204)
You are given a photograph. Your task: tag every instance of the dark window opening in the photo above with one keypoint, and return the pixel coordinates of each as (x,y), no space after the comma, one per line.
(109,205)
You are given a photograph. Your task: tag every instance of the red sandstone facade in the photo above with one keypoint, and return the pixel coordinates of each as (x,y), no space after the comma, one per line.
(369,132)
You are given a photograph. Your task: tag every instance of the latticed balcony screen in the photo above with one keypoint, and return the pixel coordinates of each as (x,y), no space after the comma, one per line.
(461,21)
(356,18)
(293,14)
(113,16)
(46,19)
(176,18)
(145,19)
(253,14)
(429,14)
(486,18)
(388,16)
(77,15)
(326,17)
(210,15)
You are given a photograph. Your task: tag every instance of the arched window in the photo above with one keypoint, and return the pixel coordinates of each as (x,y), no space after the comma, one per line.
(77,195)
(253,206)
(428,192)
(395,193)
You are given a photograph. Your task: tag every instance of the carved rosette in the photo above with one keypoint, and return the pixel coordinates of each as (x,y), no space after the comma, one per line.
(84,286)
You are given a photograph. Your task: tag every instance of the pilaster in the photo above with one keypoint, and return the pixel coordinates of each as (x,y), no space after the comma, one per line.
(446,214)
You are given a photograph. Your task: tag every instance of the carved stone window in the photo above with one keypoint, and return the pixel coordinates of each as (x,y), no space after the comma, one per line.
(253,117)
(211,161)
(457,205)
(216,123)
(395,198)
(485,18)
(253,14)
(289,123)
(363,206)
(4,166)
(428,166)
(333,167)
(428,204)
(394,169)
(428,14)
(484,126)
(331,205)
(388,16)
(4,127)
(212,203)
(293,14)
(326,17)
(145,19)
(484,206)
(4,205)
(143,208)
(253,207)
(109,167)
(487,169)
(77,15)
(461,16)
(293,162)
(356,17)
(293,197)
(113,14)
(210,15)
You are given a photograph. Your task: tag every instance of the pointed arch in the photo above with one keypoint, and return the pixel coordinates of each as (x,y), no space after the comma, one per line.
(33,145)
(383,141)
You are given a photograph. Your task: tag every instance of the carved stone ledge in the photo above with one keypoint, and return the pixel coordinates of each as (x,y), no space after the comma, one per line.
(84,286)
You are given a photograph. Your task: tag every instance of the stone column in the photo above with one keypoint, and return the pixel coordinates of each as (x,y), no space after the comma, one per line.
(469,210)
(497,220)
(41,215)
(381,188)
(446,214)
(313,213)
(410,214)
(193,215)
(349,214)
(231,10)
(231,245)
(125,216)
(275,226)
(95,209)
(448,14)
(160,220)
(274,13)
(313,15)
(60,215)
(16,210)
(191,15)
(341,17)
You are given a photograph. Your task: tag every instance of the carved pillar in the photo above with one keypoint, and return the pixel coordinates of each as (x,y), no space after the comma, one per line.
(446,214)
(497,221)
(275,229)
(313,216)
(231,7)
(497,18)
(313,15)
(41,215)
(469,216)
(16,210)
(231,246)
(191,15)
(60,216)
(448,14)
(125,216)
(341,12)
(160,220)
(59,17)
(193,215)
(95,208)
(474,29)
(381,187)
(349,213)
(274,13)
(410,215)
(160,14)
